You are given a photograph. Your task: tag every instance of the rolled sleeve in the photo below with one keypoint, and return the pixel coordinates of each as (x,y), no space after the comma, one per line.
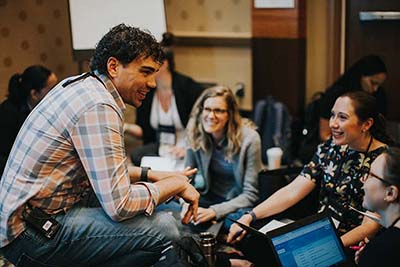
(98,140)
(154,193)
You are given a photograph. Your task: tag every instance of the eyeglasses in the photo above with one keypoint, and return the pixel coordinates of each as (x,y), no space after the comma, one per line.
(365,177)
(216,111)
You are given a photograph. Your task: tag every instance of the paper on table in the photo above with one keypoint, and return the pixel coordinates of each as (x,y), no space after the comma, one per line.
(271,226)
(162,163)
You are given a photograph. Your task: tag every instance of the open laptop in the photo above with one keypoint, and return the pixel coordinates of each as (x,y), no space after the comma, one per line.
(311,241)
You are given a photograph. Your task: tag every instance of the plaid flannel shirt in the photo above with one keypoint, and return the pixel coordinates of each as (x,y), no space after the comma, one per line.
(72,141)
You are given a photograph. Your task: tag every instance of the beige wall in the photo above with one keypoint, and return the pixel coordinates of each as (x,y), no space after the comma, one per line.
(208,18)
(231,17)
(37,32)
(317,47)
(324,44)
(34,32)
(222,65)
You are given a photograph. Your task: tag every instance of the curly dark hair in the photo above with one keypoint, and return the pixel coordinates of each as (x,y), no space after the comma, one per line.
(126,44)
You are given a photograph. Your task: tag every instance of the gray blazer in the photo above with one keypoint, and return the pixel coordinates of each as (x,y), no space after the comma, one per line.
(246,166)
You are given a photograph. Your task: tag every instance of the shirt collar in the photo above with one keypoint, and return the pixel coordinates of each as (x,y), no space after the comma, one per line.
(112,89)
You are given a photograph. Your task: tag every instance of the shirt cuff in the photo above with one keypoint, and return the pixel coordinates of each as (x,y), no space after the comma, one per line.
(154,192)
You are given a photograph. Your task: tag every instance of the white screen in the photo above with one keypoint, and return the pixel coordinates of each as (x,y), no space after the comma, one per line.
(91,19)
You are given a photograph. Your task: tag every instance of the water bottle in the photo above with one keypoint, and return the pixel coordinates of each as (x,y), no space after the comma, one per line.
(208,244)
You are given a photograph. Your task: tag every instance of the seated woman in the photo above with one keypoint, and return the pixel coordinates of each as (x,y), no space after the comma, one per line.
(358,137)
(226,152)
(24,93)
(382,195)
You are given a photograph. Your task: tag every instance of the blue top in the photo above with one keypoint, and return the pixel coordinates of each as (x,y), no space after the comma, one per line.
(222,172)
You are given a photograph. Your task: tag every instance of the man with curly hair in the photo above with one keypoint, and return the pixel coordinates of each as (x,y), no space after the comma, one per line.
(67,195)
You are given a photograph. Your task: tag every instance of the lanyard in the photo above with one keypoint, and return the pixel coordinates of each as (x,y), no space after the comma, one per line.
(82,77)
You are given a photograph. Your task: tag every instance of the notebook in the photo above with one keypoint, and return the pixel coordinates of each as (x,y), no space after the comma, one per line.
(311,241)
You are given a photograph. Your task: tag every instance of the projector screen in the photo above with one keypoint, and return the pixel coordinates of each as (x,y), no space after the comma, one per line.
(91,19)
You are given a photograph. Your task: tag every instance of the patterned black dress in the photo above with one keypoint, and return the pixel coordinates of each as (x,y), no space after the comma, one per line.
(337,171)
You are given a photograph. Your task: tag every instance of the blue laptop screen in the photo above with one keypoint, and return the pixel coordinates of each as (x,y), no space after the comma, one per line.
(315,244)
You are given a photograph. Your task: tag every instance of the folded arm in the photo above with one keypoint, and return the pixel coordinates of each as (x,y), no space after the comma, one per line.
(98,140)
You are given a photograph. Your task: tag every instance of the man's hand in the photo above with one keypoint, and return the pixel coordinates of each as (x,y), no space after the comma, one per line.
(205,215)
(236,233)
(190,196)
(188,171)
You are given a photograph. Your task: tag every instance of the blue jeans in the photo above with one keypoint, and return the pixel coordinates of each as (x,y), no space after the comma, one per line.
(88,237)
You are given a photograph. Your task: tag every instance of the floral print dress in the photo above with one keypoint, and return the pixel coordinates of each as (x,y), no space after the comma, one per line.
(337,170)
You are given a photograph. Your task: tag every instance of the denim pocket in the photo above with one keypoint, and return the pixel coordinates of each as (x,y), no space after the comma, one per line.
(27,261)
(37,239)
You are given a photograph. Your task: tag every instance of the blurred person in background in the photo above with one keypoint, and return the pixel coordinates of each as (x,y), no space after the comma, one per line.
(367,74)
(163,116)
(24,92)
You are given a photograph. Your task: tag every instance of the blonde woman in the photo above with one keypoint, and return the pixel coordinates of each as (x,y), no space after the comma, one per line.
(227,153)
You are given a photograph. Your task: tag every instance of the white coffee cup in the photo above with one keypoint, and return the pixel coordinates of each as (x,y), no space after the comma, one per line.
(274,155)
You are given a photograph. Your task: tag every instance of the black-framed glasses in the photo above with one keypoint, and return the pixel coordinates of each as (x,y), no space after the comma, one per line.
(365,177)
(216,111)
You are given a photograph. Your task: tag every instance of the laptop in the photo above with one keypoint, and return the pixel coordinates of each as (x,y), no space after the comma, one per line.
(311,241)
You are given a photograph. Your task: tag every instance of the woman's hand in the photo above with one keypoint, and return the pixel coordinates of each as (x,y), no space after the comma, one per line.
(236,233)
(205,215)
(133,129)
(178,152)
(362,245)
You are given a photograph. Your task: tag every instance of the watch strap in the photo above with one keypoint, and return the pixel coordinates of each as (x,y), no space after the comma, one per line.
(253,215)
(144,174)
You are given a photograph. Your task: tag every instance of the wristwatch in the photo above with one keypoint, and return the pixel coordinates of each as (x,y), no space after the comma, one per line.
(252,214)
(143,174)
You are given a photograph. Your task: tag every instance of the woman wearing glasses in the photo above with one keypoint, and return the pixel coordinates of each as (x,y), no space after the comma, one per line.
(226,152)
(382,195)
(358,137)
